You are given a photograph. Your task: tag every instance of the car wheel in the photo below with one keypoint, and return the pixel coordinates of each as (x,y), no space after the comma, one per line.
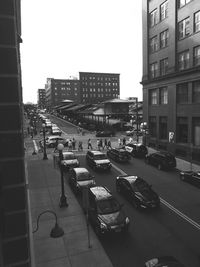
(51,145)
(182,177)
(159,167)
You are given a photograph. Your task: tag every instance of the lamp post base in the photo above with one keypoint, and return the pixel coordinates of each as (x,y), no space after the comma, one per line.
(45,156)
(63,202)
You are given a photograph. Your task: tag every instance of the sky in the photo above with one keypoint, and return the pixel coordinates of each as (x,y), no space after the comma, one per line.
(64,37)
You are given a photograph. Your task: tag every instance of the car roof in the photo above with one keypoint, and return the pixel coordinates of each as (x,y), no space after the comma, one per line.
(96,152)
(68,153)
(130,178)
(80,170)
(119,149)
(100,192)
(55,136)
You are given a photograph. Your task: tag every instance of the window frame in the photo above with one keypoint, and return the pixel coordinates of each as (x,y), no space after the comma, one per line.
(197,23)
(165,40)
(185,62)
(186,28)
(153,17)
(163,95)
(164,63)
(154,44)
(164,5)
(182,97)
(153,70)
(196,58)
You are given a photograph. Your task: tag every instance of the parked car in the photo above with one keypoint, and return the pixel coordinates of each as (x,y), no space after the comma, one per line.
(69,161)
(164,261)
(137,191)
(56,131)
(105,133)
(98,160)
(136,150)
(52,140)
(118,154)
(162,160)
(105,213)
(134,132)
(192,177)
(80,178)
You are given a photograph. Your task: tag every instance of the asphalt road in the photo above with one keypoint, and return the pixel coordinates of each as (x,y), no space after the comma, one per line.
(171,230)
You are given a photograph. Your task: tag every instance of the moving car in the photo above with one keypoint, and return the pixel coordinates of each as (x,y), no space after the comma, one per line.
(105,133)
(118,154)
(134,132)
(52,140)
(136,150)
(98,160)
(162,160)
(164,261)
(192,177)
(80,178)
(105,213)
(69,161)
(137,191)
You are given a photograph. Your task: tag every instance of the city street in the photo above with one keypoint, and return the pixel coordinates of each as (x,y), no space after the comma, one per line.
(173,229)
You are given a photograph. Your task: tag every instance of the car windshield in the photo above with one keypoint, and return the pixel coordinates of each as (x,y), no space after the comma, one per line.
(141,185)
(108,206)
(83,176)
(100,156)
(68,157)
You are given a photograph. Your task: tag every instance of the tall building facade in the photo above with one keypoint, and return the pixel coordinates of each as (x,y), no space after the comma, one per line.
(58,90)
(171,75)
(98,87)
(41,98)
(14,214)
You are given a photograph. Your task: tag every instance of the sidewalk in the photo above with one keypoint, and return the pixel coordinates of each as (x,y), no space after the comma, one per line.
(72,249)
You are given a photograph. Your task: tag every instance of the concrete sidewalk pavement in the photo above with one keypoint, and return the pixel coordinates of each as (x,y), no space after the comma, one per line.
(73,248)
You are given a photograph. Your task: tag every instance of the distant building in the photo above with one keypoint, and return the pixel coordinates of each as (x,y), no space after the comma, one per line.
(98,87)
(41,98)
(58,90)
(171,80)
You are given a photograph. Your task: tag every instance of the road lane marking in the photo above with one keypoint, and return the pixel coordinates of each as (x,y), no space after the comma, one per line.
(164,202)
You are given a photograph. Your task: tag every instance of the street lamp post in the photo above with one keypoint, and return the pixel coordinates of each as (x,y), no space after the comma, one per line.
(144,126)
(44,139)
(63,198)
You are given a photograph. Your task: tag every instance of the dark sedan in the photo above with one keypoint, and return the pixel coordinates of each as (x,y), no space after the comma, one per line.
(118,154)
(192,177)
(137,191)
(105,133)
(164,261)
(162,160)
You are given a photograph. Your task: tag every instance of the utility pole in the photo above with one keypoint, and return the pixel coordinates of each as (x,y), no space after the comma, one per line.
(137,128)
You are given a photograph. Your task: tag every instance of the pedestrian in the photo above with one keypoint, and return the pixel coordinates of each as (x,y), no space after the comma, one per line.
(67,143)
(100,144)
(119,142)
(130,140)
(109,144)
(56,146)
(89,144)
(124,141)
(105,144)
(70,145)
(31,132)
(73,143)
(28,130)
(80,146)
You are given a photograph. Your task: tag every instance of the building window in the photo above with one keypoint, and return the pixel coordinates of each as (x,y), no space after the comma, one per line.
(153,97)
(182,130)
(182,3)
(153,18)
(154,44)
(163,127)
(164,10)
(154,70)
(183,60)
(196,92)
(164,38)
(163,66)
(196,131)
(152,126)
(163,96)
(197,21)
(183,28)
(182,93)
(196,59)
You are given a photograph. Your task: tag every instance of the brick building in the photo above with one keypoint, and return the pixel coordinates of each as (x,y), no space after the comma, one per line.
(98,87)
(41,98)
(171,80)
(14,214)
(58,90)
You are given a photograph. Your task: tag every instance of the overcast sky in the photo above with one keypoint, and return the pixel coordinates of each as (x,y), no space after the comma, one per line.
(63,37)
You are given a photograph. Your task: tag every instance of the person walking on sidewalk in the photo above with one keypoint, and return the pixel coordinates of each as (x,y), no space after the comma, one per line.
(80,146)
(70,145)
(109,144)
(73,143)
(89,144)
(56,146)
(124,141)
(119,142)
(98,144)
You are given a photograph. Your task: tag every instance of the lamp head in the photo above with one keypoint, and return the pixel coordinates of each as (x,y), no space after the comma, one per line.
(60,147)
(43,125)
